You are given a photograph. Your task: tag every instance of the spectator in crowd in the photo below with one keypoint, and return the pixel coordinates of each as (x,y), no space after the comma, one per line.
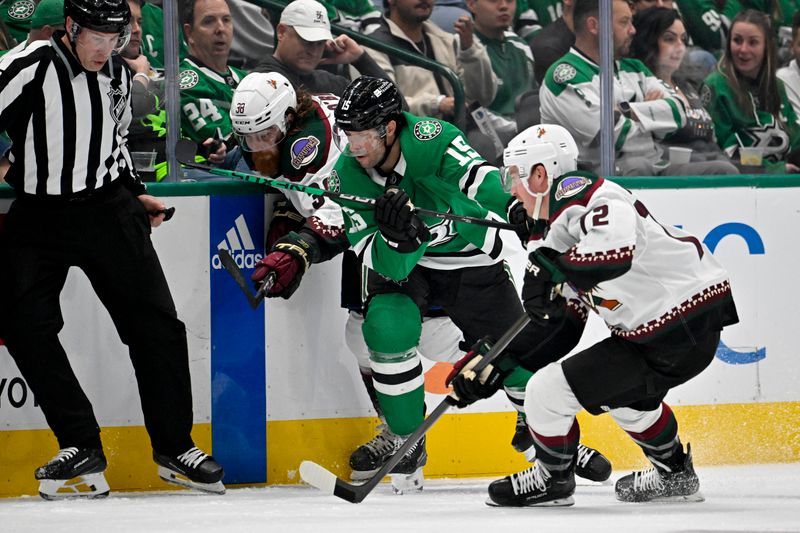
(646,109)
(527,22)
(790,75)
(661,43)
(153,35)
(406,26)
(206,80)
(305,42)
(553,42)
(511,59)
(16,16)
(47,19)
(746,99)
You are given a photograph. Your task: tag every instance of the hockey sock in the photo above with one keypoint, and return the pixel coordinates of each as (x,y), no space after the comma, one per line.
(557,453)
(660,441)
(514,386)
(399,387)
(392,330)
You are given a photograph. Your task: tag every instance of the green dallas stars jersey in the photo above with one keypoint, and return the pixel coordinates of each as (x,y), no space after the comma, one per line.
(512,61)
(153,36)
(440,172)
(734,127)
(206,99)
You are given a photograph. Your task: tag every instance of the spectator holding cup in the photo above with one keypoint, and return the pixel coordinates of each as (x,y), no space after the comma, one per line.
(748,102)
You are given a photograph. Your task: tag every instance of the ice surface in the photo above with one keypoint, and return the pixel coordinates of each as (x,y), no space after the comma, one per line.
(738,498)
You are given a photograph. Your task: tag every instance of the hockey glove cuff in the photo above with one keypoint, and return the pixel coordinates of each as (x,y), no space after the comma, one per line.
(289,260)
(468,386)
(402,229)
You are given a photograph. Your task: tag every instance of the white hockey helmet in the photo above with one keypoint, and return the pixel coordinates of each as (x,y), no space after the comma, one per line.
(547,144)
(260,102)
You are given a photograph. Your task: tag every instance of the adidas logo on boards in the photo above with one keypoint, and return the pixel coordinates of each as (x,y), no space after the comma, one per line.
(240,245)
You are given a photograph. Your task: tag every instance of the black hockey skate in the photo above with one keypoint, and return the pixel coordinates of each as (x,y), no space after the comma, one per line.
(591,464)
(369,457)
(407,474)
(661,483)
(533,487)
(73,473)
(193,469)
(522,441)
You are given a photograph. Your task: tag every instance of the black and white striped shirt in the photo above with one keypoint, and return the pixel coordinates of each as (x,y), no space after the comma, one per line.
(68,126)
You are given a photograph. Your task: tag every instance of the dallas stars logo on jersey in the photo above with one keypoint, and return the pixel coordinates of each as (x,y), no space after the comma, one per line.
(188,79)
(425,130)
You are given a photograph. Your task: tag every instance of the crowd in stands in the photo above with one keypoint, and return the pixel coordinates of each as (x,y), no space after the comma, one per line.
(700,86)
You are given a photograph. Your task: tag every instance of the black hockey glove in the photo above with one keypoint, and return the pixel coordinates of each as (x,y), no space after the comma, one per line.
(397,222)
(540,295)
(469,387)
(518,217)
(288,259)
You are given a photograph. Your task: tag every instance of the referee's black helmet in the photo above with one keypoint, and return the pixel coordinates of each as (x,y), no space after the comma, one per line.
(106,16)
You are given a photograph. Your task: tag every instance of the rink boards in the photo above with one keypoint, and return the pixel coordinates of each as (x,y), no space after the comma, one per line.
(287,364)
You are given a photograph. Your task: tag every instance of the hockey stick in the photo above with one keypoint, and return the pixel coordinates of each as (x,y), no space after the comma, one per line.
(185,152)
(326,481)
(236,273)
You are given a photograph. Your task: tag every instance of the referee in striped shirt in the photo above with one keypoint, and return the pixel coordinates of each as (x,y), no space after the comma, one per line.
(65,104)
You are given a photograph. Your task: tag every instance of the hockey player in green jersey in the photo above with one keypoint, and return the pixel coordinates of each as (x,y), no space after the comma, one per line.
(414,262)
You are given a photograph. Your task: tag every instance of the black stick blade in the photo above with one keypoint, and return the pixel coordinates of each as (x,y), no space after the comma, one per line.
(185,151)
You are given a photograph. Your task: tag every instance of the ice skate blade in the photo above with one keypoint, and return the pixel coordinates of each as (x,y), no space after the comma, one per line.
(560,502)
(407,483)
(697,497)
(88,486)
(175,478)
(583,482)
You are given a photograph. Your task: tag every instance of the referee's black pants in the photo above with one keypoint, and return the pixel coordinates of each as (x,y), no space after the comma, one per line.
(107,236)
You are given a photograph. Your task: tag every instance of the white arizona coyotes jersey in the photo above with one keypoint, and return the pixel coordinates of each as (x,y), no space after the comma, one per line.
(641,277)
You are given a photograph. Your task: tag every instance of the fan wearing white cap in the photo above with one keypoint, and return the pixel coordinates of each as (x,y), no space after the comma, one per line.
(305,42)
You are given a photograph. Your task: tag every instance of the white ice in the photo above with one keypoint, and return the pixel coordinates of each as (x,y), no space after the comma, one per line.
(738,499)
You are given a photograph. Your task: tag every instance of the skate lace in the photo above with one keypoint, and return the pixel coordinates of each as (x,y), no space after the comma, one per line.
(584,455)
(647,480)
(382,443)
(534,477)
(65,454)
(193,457)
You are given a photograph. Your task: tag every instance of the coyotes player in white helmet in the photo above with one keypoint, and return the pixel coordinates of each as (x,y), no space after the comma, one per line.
(660,291)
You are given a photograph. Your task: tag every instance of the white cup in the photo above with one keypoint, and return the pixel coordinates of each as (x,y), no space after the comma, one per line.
(751,156)
(679,155)
(144,161)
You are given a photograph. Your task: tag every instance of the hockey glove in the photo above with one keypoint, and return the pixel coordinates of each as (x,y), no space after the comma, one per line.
(289,260)
(285,218)
(469,387)
(540,295)
(397,222)
(521,221)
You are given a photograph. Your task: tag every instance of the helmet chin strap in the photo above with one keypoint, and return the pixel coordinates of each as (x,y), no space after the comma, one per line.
(387,150)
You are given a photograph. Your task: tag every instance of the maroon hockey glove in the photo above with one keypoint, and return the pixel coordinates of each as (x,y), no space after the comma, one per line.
(469,387)
(288,260)
(397,222)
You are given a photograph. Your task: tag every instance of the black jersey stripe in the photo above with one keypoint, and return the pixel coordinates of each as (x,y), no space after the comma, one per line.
(398,379)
